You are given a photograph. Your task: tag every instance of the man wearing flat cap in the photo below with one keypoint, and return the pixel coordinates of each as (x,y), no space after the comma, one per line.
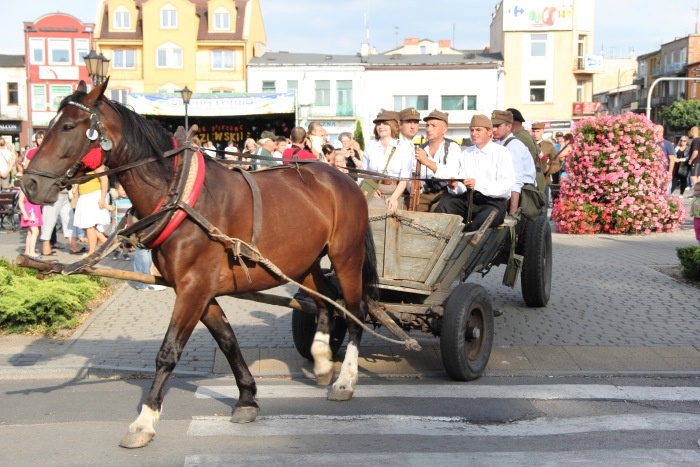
(523,164)
(487,169)
(523,135)
(437,150)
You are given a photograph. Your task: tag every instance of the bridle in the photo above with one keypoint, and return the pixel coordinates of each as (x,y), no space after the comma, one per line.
(96,130)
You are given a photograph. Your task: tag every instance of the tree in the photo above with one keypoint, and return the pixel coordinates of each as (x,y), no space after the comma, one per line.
(681,115)
(359,137)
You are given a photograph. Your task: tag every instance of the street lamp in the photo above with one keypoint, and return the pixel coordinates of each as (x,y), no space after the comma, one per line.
(186,95)
(97,67)
(620,74)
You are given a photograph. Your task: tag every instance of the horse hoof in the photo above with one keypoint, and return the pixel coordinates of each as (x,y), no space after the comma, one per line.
(136,440)
(325,380)
(244,414)
(340,395)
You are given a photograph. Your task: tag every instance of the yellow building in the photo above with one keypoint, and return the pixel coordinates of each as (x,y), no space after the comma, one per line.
(157,46)
(547,49)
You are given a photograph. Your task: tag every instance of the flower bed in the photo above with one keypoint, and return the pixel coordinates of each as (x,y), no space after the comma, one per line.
(616,182)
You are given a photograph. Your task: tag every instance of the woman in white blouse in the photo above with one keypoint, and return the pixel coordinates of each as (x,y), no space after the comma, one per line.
(387,155)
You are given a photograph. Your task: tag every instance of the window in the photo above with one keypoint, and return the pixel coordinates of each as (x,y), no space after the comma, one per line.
(119,95)
(222,20)
(580,52)
(123,58)
(579,91)
(169,55)
(538,45)
(82,48)
(59,52)
(122,18)
(38,97)
(418,102)
(537,89)
(168,17)
(36,51)
(458,103)
(292,85)
(323,93)
(222,60)
(58,93)
(268,86)
(12,93)
(344,104)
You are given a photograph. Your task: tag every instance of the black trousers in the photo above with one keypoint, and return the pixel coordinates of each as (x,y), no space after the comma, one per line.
(482,206)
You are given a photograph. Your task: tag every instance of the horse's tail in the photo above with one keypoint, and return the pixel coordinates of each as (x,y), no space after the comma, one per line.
(370,278)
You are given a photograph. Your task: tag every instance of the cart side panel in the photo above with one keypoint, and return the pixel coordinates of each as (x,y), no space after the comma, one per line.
(412,246)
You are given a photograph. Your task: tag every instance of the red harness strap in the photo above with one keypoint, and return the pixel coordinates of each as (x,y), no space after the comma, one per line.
(191,199)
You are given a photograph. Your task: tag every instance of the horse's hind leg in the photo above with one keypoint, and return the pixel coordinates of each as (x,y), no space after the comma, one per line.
(189,307)
(321,348)
(214,319)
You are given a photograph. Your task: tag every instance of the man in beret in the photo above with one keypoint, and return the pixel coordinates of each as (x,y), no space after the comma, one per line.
(523,164)
(486,168)
(523,135)
(438,149)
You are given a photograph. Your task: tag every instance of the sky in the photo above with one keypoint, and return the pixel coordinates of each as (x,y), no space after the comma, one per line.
(338,27)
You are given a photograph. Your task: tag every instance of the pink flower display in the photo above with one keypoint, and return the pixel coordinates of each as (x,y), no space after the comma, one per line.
(616,182)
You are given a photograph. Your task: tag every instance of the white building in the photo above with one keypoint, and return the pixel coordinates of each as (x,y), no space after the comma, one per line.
(338,90)
(13,99)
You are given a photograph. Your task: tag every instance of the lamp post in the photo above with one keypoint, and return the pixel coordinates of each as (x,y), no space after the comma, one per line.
(620,74)
(186,96)
(97,66)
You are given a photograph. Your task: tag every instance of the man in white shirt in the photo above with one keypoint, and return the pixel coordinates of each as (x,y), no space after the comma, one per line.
(437,149)
(523,165)
(487,169)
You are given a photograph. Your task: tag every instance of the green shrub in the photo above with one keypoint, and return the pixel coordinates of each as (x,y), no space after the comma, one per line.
(689,257)
(27,303)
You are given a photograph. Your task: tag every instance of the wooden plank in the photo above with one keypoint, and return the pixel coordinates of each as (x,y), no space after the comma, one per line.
(392,249)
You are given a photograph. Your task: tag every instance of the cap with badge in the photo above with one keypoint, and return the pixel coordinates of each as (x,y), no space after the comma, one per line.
(409,114)
(538,126)
(480,121)
(436,115)
(386,115)
(559,133)
(517,116)
(499,117)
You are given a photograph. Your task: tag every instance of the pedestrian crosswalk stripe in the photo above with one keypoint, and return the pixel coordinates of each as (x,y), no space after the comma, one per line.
(311,425)
(470,391)
(636,457)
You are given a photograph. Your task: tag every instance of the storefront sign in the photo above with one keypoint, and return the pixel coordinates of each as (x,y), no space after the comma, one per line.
(11,127)
(212,105)
(586,108)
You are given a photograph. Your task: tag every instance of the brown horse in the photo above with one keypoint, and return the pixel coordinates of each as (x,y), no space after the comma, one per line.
(307,211)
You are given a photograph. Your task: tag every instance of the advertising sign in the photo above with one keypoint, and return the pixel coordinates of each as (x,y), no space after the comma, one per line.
(212,105)
(538,15)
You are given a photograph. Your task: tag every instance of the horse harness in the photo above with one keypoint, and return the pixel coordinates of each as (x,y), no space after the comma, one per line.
(178,203)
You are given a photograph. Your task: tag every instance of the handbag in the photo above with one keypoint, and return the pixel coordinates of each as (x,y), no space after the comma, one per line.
(531,201)
(369,186)
(683,169)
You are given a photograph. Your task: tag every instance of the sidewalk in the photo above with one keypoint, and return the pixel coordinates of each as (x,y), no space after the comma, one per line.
(610,312)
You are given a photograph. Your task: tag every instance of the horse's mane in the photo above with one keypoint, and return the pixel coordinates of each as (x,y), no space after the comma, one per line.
(140,139)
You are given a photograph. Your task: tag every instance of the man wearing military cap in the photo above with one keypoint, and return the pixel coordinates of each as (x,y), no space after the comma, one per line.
(523,135)
(549,158)
(409,119)
(437,150)
(486,168)
(523,165)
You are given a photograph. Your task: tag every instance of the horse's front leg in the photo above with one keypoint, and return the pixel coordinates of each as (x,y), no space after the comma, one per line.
(214,319)
(189,307)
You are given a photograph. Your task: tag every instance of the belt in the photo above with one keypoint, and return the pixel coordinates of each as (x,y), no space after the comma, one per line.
(388,182)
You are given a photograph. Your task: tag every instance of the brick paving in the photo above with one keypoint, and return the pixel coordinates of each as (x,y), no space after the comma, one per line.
(610,312)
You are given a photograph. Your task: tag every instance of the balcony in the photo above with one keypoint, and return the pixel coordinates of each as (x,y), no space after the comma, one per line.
(586,65)
(675,67)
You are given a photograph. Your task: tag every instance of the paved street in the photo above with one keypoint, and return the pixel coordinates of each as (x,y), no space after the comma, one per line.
(610,312)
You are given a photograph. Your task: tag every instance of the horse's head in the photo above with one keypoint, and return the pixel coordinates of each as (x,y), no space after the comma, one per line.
(74,130)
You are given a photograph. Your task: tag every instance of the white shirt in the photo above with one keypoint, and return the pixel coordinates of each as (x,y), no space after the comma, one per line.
(401,163)
(6,157)
(523,165)
(491,167)
(440,156)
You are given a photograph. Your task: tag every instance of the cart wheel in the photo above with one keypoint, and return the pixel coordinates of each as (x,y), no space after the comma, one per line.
(467,332)
(536,276)
(304,329)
